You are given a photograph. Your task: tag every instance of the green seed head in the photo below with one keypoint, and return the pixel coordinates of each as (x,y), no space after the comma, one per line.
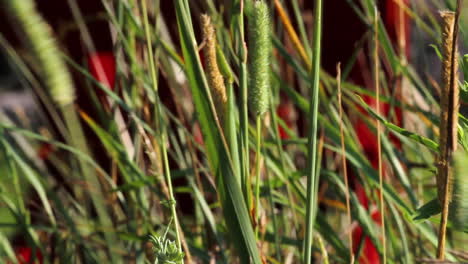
(259,58)
(39,35)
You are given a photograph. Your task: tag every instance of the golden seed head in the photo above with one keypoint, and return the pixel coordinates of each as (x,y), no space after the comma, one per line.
(215,78)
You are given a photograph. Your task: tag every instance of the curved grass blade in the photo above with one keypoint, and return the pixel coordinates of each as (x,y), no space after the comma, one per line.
(415,137)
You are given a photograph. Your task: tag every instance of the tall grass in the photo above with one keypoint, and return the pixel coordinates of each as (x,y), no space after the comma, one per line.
(312,172)
(226,140)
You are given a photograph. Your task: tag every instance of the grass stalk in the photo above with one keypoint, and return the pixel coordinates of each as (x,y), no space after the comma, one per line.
(449,118)
(379,145)
(312,175)
(244,111)
(259,83)
(323,250)
(167,170)
(343,160)
(258,162)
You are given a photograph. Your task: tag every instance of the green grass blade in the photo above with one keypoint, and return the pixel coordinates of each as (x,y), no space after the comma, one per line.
(415,137)
(312,176)
(33,179)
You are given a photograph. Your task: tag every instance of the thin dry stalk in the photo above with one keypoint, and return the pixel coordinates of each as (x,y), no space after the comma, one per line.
(449,118)
(379,148)
(343,159)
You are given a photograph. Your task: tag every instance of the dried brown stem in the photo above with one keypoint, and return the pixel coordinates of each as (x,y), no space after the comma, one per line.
(449,119)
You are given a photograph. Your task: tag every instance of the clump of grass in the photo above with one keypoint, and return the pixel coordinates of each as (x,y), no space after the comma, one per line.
(217,167)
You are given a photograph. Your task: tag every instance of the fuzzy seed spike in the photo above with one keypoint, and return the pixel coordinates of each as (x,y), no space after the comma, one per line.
(259,58)
(214,76)
(39,36)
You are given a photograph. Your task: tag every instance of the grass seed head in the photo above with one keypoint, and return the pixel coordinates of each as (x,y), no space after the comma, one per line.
(259,58)
(46,50)
(215,78)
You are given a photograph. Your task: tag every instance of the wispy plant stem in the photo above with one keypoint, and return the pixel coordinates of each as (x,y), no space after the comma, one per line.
(154,79)
(343,160)
(257,176)
(312,175)
(379,147)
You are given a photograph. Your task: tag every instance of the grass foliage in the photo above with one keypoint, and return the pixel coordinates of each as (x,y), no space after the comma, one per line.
(157,154)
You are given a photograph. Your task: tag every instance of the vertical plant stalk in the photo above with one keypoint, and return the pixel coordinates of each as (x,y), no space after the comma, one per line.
(323,250)
(449,118)
(167,170)
(230,126)
(244,112)
(343,160)
(258,169)
(259,83)
(379,145)
(312,174)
